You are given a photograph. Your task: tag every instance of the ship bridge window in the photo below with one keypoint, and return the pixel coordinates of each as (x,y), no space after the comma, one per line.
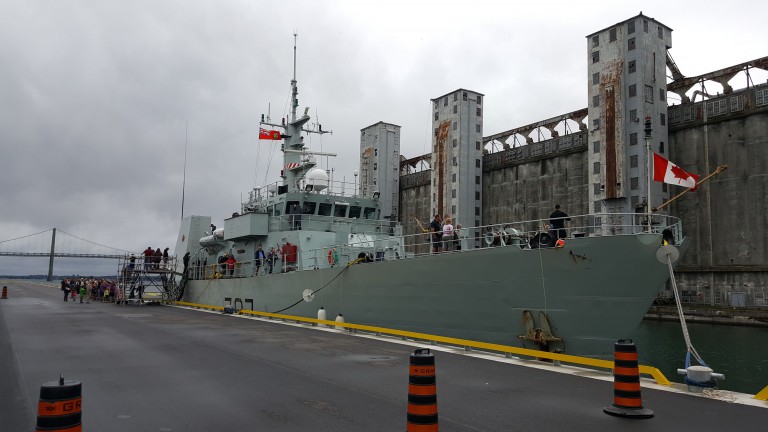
(354,211)
(309,207)
(293,207)
(369,213)
(324,209)
(341,210)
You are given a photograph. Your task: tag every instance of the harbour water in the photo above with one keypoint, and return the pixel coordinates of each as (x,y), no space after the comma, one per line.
(740,353)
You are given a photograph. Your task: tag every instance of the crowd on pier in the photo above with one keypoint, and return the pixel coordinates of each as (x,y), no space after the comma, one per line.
(88,289)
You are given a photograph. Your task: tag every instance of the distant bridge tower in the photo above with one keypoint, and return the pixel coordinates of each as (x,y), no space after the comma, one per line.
(457,147)
(50,260)
(627,82)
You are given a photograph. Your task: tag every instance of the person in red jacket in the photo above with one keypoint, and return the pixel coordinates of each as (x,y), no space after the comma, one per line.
(231,264)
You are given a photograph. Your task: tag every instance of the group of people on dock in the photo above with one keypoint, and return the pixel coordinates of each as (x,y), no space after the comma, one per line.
(88,289)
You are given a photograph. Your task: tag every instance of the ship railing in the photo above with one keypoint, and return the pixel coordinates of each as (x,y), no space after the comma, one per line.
(241,269)
(374,241)
(541,233)
(258,197)
(533,234)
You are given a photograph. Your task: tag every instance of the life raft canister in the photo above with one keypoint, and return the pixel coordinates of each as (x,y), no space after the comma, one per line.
(333,256)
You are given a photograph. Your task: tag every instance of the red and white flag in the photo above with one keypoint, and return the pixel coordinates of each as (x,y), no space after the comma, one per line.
(666,172)
(269,134)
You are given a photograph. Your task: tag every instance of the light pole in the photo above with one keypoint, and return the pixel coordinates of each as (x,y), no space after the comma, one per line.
(355,182)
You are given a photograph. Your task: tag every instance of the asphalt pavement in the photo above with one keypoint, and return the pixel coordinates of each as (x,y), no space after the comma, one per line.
(161,368)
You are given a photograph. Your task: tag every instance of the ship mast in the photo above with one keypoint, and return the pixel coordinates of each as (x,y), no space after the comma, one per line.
(294,87)
(296,160)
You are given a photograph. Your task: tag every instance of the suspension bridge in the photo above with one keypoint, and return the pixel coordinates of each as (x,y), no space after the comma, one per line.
(55,243)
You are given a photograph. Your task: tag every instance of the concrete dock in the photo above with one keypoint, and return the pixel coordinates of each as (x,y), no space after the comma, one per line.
(160,368)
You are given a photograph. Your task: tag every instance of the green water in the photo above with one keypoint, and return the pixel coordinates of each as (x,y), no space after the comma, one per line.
(740,353)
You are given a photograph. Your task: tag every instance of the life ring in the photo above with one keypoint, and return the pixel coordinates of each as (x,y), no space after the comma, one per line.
(700,296)
(333,256)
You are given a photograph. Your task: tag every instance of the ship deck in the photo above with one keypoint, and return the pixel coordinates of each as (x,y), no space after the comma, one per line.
(173,369)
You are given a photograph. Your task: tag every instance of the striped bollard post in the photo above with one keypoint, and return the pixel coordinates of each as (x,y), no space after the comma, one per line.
(422,392)
(5,293)
(59,406)
(627,401)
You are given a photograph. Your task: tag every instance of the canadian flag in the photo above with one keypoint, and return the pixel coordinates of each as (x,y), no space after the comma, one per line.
(666,172)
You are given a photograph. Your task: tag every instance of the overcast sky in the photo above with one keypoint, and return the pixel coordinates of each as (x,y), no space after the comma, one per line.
(95,95)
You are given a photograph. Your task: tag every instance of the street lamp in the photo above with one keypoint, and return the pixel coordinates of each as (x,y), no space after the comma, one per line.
(355,182)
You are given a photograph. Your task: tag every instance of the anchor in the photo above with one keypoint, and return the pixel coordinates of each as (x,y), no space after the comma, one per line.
(541,335)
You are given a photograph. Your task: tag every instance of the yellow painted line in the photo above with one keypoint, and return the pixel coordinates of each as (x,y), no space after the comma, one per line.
(567,358)
(763,395)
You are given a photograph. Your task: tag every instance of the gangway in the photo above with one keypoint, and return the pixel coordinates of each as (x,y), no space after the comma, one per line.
(143,281)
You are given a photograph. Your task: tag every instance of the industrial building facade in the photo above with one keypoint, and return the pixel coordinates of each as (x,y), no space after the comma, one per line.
(457,120)
(599,164)
(380,166)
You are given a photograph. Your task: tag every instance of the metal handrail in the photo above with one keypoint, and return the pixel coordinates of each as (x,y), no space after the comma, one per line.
(375,239)
(517,234)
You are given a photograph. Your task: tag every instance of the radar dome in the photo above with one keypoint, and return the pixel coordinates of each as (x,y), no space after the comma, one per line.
(317,178)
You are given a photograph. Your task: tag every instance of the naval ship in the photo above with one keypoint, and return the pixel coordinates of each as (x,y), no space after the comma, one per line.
(327,252)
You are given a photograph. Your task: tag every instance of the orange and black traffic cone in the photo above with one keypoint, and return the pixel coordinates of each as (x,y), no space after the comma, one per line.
(627,401)
(422,392)
(59,406)
(5,293)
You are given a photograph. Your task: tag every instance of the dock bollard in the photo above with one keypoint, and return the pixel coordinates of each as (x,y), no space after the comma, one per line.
(627,401)
(5,293)
(59,406)
(422,392)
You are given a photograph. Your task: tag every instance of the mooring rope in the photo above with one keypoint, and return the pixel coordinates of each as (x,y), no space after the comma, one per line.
(686,335)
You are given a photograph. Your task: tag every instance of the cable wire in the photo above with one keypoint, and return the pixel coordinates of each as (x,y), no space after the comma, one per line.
(94,243)
(30,235)
(322,287)
(686,336)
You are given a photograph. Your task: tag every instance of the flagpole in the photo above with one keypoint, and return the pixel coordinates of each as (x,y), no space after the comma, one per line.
(648,131)
(184,178)
(719,170)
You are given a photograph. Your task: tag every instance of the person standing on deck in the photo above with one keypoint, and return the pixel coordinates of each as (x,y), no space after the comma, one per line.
(259,258)
(436,229)
(231,264)
(448,234)
(557,222)
(271,259)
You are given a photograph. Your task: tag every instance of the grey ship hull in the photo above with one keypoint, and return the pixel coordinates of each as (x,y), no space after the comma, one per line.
(595,290)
